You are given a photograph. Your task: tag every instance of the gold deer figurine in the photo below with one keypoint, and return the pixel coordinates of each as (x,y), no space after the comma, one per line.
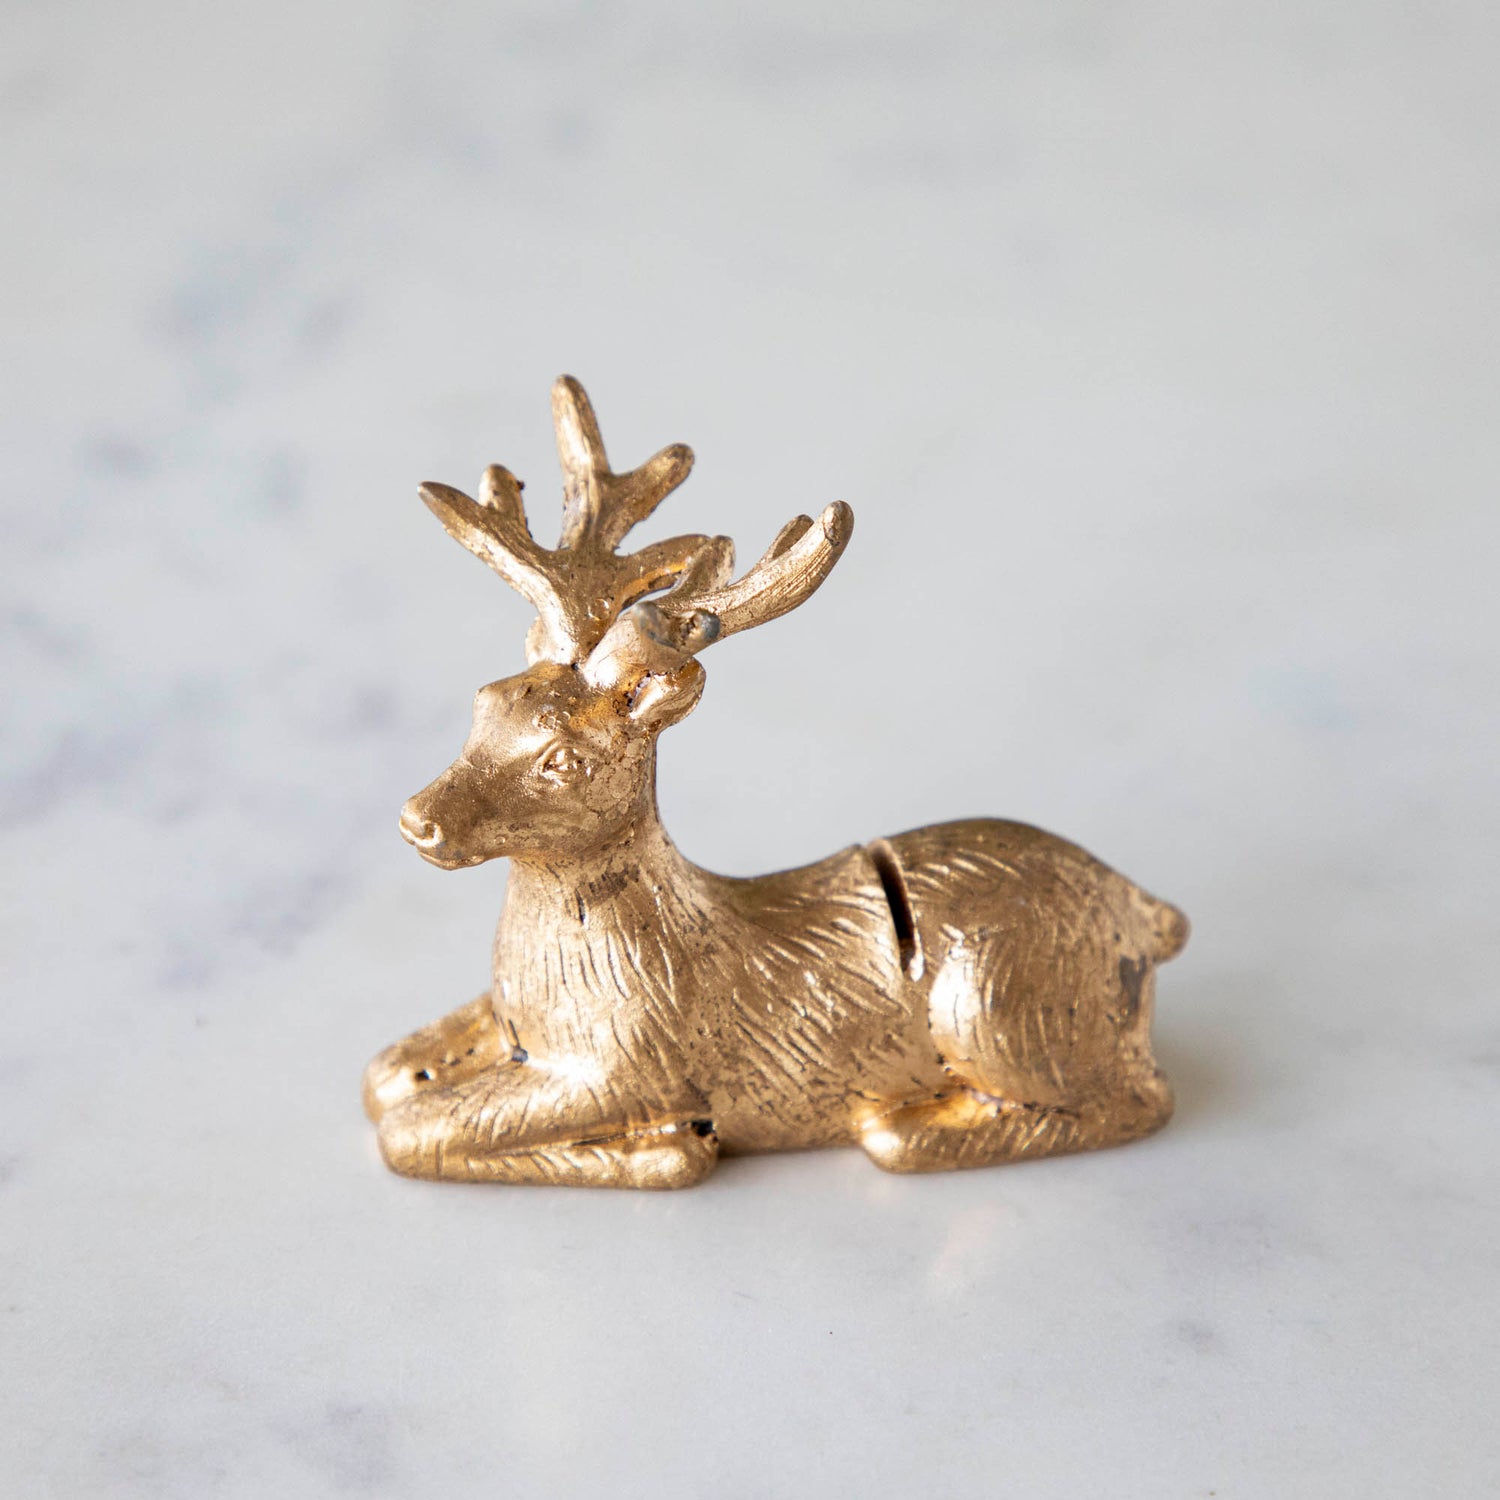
(964,994)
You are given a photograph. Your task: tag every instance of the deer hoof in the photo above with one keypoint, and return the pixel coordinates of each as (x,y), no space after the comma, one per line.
(453,1050)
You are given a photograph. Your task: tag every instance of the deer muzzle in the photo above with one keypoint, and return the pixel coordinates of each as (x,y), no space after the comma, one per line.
(424,831)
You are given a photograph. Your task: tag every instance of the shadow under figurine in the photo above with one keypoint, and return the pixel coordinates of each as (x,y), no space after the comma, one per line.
(965,994)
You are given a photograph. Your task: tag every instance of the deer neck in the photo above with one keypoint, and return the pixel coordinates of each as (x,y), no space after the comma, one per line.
(597,945)
(634,887)
(547,887)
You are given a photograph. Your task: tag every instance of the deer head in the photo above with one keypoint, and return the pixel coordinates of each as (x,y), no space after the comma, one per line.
(561,757)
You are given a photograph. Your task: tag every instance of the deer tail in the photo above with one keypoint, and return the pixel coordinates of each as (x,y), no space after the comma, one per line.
(1169,927)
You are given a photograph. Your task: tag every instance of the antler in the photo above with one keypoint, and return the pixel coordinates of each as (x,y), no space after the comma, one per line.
(580,587)
(704,606)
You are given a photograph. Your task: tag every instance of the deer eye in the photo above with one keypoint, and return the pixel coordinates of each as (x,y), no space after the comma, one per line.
(561,766)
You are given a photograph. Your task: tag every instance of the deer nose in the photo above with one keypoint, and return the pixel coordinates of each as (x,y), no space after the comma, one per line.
(419,831)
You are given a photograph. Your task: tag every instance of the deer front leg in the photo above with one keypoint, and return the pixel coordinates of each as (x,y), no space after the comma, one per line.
(518,1122)
(459,1047)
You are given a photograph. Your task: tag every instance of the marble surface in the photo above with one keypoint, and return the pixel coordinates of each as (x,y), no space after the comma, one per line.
(1155,348)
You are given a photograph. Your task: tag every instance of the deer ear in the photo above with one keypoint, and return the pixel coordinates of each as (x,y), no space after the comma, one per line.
(662,698)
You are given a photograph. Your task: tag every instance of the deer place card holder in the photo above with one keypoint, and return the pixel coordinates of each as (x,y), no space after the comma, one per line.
(956,996)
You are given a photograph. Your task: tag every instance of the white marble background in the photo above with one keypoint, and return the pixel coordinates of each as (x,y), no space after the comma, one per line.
(1155,346)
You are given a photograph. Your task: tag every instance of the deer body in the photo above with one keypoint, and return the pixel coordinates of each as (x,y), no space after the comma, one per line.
(745,1004)
(967,993)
